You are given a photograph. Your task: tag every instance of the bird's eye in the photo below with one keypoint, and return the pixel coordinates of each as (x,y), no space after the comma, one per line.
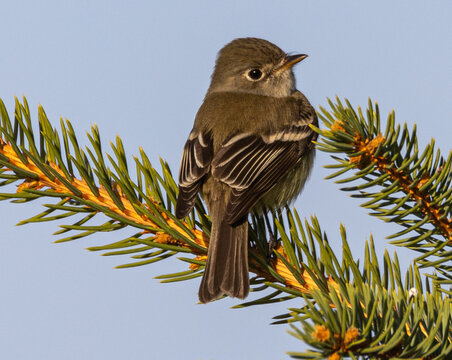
(254,74)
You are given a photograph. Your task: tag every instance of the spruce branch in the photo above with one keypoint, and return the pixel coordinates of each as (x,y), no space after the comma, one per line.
(399,182)
(87,186)
(373,313)
(353,311)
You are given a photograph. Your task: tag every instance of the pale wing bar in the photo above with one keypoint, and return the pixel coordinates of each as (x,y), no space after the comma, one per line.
(253,172)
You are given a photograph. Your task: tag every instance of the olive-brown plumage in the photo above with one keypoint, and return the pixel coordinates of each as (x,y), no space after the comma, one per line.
(250,149)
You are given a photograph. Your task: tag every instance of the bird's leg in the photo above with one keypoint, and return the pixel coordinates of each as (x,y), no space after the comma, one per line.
(273,241)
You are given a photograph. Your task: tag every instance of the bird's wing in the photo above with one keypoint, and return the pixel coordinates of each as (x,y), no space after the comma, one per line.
(195,163)
(252,164)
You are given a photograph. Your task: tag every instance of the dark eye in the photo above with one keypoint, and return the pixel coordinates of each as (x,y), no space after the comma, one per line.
(254,74)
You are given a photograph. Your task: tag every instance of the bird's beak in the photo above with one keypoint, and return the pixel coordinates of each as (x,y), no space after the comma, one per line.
(291,60)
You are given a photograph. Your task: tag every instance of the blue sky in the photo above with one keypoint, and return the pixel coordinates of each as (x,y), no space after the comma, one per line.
(140,69)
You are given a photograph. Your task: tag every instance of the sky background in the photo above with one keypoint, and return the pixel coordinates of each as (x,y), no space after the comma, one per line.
(140,69)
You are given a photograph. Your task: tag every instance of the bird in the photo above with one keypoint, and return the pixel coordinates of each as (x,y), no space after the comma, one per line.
(251,150)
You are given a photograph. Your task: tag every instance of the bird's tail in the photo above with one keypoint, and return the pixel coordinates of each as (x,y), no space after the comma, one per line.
(226,271)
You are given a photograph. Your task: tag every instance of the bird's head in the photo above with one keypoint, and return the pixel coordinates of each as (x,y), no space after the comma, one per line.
(255,66)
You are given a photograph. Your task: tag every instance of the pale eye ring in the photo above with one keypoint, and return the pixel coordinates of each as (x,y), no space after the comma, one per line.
(254,75)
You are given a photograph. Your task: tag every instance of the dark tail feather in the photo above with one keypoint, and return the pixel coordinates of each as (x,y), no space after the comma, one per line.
(226,271)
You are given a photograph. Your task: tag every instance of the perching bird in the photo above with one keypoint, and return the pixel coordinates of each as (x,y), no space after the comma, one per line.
(250,149)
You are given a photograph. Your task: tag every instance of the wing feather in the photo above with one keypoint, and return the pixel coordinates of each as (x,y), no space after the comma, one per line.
(252,164)
(195,164)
